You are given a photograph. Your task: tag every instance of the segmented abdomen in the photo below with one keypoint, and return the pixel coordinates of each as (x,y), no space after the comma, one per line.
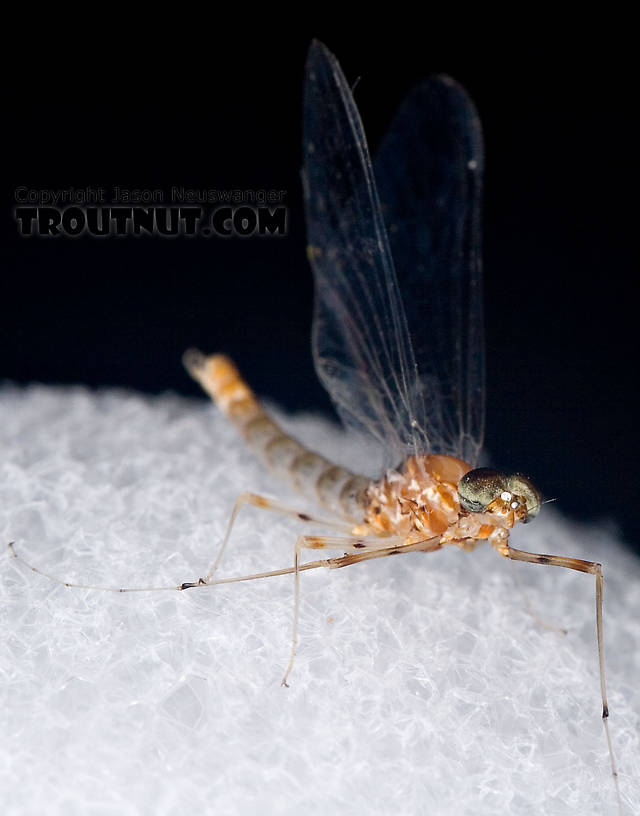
(334,487)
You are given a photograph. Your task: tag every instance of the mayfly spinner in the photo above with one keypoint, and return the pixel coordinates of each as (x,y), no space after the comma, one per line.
(397,341)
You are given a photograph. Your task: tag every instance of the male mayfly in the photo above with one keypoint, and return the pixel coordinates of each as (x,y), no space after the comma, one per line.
(397,341)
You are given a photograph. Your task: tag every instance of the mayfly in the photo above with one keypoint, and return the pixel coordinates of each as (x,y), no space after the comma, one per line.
(397,341)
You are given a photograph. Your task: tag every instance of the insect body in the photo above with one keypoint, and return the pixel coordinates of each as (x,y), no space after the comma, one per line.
(420,501)
(397,337)
(397,340)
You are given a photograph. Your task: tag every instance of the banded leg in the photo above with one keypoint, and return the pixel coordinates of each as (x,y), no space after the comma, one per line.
(593,568)
(200,584)
(363,549)
(331,563)
(274,506)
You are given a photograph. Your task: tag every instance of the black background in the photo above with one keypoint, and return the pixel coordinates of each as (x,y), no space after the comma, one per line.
(225,112)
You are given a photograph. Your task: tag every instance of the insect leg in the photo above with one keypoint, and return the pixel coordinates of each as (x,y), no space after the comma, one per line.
(274,506)
(363,548)
(244,498)
(593,568)
(175,587)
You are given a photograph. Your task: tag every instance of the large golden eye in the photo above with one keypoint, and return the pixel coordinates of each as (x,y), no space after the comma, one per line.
(521,485)
(479,487)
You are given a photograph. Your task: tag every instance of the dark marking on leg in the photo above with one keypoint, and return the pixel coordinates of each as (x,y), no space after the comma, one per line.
(188,585)
(595,569)
(304,517)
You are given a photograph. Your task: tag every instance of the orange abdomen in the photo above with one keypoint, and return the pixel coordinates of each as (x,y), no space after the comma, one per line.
(332,486)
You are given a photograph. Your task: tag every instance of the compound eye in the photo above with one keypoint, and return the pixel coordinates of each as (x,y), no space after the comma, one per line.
(521,485)
(479,487)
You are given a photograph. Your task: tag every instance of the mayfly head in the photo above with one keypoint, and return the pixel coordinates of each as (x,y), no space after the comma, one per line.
(484,490)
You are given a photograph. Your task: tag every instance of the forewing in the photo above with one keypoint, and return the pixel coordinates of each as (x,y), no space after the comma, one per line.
(429,175)
(361,345)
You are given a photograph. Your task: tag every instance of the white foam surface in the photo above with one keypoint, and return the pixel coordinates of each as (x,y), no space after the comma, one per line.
(422,685)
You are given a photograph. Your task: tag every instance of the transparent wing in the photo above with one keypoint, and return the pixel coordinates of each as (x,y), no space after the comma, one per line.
(361,345)
(361,342)
(429,174)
